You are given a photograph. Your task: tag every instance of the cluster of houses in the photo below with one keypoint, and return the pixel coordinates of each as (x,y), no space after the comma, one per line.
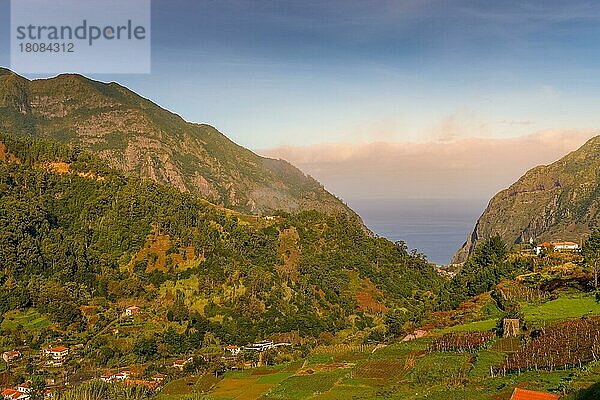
(233,351)
(556,246)
(125,377)
(22,392)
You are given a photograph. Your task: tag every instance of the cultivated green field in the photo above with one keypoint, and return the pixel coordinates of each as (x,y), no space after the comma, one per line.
(565,307)
(406,371)
(28,320)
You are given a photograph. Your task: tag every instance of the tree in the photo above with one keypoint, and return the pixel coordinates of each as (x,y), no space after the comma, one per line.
(591,254)
(145,348)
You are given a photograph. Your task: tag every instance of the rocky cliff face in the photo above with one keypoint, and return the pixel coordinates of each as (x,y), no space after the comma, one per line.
(560,201)
(137,136)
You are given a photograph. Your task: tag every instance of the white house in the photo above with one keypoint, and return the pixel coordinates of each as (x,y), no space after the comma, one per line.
(260,346)
(13,394)
(565,246)
(129,311)
(182,363)
(557,246)
(8,356)
(233,350)
(58,352)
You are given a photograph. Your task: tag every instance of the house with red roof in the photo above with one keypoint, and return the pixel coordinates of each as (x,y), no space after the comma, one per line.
(13,394)
(9,356)
(523,394)
(56,355)
(130,311)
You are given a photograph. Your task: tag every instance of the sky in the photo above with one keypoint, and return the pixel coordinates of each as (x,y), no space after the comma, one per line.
(381,91)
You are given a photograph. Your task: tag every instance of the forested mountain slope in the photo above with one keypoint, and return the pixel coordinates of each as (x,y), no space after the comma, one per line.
(75,232)
(135,135)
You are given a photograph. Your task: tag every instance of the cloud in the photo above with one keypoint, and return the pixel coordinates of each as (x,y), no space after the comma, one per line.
(471,167)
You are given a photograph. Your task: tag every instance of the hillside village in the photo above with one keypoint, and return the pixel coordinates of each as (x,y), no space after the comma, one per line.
(56,361)
(468,330)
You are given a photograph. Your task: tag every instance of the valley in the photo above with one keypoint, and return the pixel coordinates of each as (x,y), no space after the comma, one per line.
(133,282)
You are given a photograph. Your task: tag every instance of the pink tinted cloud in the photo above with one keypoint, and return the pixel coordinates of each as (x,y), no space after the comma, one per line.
(461,168)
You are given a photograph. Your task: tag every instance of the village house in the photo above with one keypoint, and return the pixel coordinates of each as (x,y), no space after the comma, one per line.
(556,246)
(158,378)
(21,392)
(179,364)
(130,311)
(565,246)
(120,376)
(57,355)
(13,394)
(260,346)
(9,356)
(58,352)
(24,388)
(522,394)
(232,350)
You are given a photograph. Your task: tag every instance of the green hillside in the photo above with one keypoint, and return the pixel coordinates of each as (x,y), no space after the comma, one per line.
(80,242)
(75,233)
(137,136)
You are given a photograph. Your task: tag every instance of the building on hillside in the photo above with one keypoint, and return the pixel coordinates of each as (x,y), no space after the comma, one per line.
(182,363)
(56,355)
(260,346)
(58,352)
(565,246)
(546,246)
(232,350)
(130,311)
(121,376)
(13,394)
(522,394)
(9,356)
(556,246)
(24,388)
(158,378)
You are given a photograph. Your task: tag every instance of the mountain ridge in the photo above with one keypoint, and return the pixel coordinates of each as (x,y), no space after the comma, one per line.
(138,136)
(558,201)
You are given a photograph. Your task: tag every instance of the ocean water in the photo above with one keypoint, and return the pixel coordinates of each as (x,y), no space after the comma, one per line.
(435,227)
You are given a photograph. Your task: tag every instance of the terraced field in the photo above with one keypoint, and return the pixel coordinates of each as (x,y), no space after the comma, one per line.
(411,371)
(28,320)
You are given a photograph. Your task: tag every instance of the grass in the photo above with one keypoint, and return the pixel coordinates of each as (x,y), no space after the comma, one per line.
(565,307)
(28,320)
(302,386)
(275,378)
(484,325)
